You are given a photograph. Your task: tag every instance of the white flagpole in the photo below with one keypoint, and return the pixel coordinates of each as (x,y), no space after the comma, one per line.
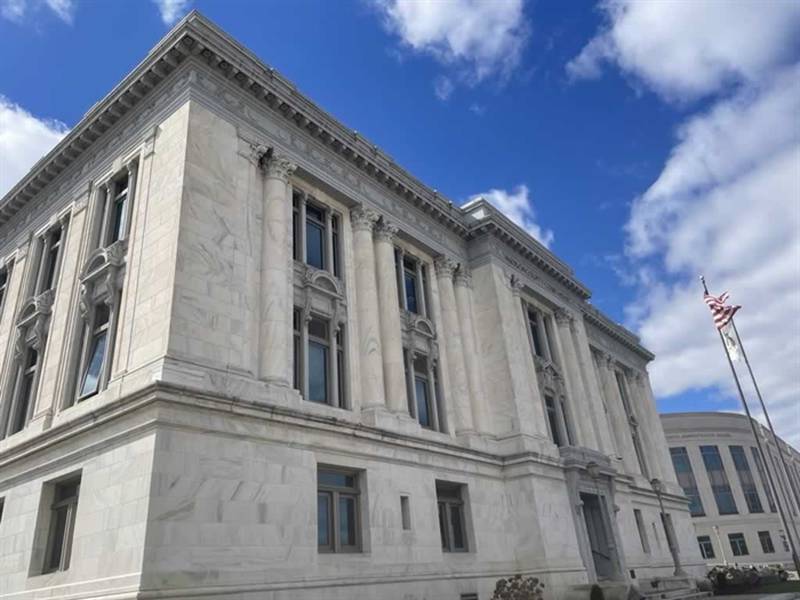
(772,485)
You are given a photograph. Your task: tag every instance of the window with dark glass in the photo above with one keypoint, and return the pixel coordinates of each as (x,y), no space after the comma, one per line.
(3,288)
(412,283)
(62,524)
(422,389)
(738,544)
(766,542)
(536,333)
(553,420)
(95,353)
(117,207)
(318,360)
(723,496)
(632,422)
(685,474)
(452,521)
(316,233)
(50,259)
(706,547)
(23,391)
(763,477)
(746,479)
(637,515)
(338,514)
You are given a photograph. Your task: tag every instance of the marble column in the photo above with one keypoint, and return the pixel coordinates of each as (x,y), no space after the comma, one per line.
(368,310)
(659,448)
(391,331)
(572,375)
(459,391)
(275,333)
(619,418)
(463,294)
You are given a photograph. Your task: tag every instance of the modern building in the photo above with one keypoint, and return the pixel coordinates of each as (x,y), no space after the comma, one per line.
(734,511)
(245,354)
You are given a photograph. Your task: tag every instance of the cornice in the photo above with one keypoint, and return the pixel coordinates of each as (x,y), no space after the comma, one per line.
(615,331)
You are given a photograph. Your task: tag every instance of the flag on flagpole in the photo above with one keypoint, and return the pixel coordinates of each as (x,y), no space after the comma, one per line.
(729,337)
(721,312)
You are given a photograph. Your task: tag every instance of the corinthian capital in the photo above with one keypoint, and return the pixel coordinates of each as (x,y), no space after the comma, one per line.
(363,219)
(463,277)
(562,316)
(385,231)
(444,267)
(277,166)
(515,283)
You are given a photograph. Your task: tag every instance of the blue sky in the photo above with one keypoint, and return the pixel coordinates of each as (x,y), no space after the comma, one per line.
(623,135)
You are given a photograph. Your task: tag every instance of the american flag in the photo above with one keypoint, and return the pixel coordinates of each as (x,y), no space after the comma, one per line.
(721,312)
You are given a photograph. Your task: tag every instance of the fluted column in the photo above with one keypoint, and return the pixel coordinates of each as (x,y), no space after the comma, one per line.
(391,331)
(455,350)
(619,418)
(572,374)
(275,333)
(369,327)
(463,294)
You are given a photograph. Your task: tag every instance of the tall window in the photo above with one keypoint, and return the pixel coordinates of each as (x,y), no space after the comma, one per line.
(338,514)
(540,334)
(766,542)
(706,547)
(637,515)
(746,479)
(452,523)
(3,288)
(719,480)
(412,283)
(95,355)
(318,359)
(62,524)
(763,477)
(116,211)
(683,470)
(49,260)
(782,483)
(24,391)
(553,420)
(422,386)
(738,544)
(632,422)
(316,234)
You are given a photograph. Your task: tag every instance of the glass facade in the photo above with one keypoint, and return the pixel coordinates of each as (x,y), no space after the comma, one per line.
(723,495)
(683,470)
(746,479)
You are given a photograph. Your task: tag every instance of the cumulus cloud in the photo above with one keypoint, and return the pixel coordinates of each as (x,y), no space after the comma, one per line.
(24,139)
(685,50)
(172,10)
(16,10)
(518,206)
(475,39)
(727,201)
(443,87)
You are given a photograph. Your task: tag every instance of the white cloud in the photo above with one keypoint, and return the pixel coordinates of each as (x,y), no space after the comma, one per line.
(172,10)
(24,139)
(518,207)
(443,87)
(478,39)
(685,50)
(15,10)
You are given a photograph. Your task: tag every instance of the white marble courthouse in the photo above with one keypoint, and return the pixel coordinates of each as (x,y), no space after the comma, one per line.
(244,354)
(734,510)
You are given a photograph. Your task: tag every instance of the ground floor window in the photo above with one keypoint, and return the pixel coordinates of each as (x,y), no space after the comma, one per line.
(706,547)
(62,525)
(338,514)
(738,544)
(452,522)
(766,542)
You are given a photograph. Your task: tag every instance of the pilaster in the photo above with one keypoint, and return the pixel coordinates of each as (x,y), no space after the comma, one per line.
(618,417)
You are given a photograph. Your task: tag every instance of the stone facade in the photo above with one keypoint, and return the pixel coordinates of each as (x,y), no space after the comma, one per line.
(747,509)
(276,365)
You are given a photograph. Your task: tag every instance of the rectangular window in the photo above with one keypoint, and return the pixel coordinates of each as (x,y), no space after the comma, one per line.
(62,524)
(537,333)
(315,234)
(637,515)
(763,477)
(412,283)
(405,512)
(746,479)
(422,390)
(50,260)
(24,390)
(766,542)
(685,474)
(452,523)
(3,288)
(318,366)
(117,207)
(2,505)
(338,514)
(552,420)
(632,422)
(738,544)
(318,359)
(706,547)
(719,480)
(95,353)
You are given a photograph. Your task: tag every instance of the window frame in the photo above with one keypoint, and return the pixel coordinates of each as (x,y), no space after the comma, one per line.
(746,480)
(450,497)
(70,504)
(686,476)
(336,492)
(51,253)
(738,544)
(90,334)
(19,412)
(429,376)
(709,453)
(765,536)
(642,528)
(706,547)
(408,264)
(330,224)
(5,282)
(336,357)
